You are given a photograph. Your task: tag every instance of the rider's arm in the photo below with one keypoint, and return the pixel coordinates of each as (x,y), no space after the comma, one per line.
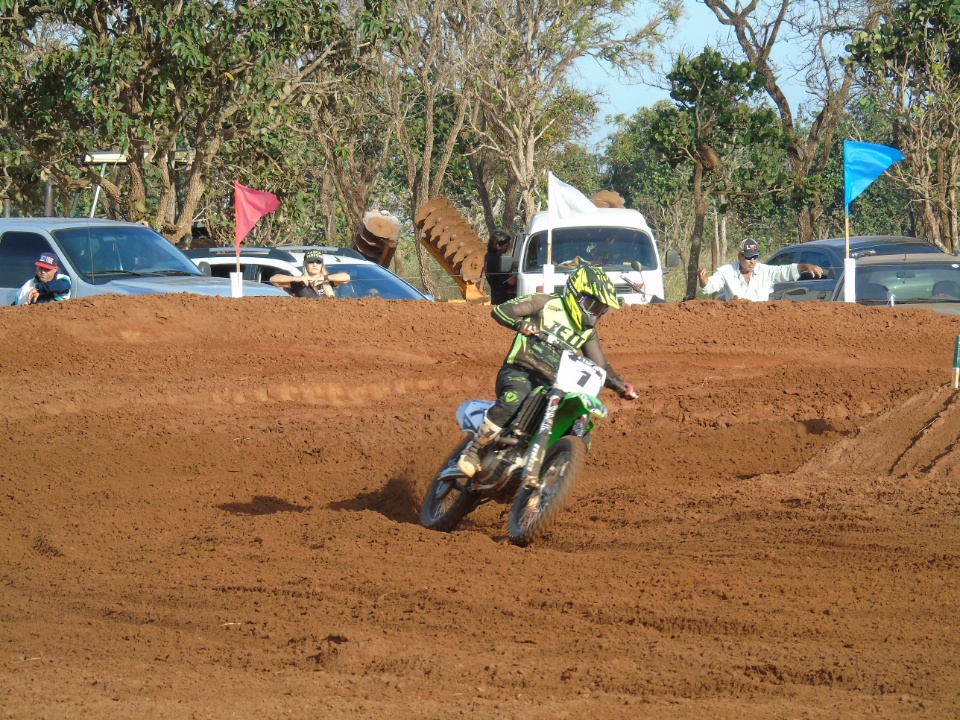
(592,350)
(511,312)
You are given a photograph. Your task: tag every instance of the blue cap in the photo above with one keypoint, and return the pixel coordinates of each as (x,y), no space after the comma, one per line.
(48,261)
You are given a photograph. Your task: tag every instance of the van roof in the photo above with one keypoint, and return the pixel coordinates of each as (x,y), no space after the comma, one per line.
(602,217)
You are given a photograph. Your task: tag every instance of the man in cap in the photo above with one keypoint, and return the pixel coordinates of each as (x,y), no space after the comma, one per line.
(315,282)
(48,285)
(749,279)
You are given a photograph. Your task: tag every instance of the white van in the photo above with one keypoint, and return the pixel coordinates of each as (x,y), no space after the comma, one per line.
(617,239)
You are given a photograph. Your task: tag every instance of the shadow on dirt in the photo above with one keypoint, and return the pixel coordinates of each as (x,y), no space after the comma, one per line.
(262,505)
(397,501)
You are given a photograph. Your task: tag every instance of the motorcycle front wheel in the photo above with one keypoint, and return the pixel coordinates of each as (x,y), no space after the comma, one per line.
(533,511)
(448,500)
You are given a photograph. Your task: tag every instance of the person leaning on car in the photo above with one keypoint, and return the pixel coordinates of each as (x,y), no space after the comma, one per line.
(315,282)
(48,285)
(749,279)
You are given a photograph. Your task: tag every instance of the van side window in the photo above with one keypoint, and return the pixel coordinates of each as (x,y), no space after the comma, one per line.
(18,254)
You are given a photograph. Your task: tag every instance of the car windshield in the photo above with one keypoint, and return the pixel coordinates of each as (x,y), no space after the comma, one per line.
(374,281)
(103,253)
(908,283)
(613,248)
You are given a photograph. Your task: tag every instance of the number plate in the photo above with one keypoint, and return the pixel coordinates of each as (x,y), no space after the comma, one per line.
(578,374)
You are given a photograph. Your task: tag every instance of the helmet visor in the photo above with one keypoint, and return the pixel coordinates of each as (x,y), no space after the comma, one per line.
(592,306)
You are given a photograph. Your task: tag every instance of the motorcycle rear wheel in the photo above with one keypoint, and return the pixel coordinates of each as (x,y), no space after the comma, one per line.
(533,511)
(448,500)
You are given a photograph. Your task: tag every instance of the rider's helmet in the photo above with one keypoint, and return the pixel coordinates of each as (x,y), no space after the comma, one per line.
(588,295)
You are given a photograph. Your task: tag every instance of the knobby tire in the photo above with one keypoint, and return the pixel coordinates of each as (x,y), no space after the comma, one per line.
(533,511)
(448,501)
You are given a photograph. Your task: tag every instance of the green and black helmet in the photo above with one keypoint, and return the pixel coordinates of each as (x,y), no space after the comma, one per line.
(588,295)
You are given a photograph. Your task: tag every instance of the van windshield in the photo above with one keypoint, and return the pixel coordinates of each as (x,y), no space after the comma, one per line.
(100,254)
(613,248)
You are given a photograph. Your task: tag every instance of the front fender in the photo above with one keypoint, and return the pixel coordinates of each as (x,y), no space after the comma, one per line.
(573,406)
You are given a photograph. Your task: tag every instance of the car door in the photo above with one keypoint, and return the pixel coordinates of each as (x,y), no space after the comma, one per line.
(806,287)
(19,251)
(817,288)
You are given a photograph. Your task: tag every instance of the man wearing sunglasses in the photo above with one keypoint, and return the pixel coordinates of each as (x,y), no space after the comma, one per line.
(749,279)
(572,317)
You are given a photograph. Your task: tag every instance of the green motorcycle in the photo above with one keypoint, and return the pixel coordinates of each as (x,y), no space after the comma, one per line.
(534,460)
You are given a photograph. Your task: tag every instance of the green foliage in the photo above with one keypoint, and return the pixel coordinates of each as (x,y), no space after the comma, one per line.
(910,66)
(634,165)
(146,77)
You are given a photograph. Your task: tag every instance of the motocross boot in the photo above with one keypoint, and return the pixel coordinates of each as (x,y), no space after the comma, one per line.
(469,461)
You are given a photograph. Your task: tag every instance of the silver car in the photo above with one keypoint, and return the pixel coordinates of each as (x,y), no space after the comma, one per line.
(917,279)
(104,256)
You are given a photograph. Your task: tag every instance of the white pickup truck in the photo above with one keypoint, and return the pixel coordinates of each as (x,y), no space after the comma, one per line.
(617,239)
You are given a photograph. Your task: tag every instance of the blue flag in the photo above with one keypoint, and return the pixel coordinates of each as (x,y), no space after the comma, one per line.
(862,164)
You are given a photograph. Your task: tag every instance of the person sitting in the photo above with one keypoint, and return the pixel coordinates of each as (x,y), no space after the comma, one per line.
(945,289)
(315,282)
(48,285)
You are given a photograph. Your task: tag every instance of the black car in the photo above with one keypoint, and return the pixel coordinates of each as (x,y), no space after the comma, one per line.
(829,255)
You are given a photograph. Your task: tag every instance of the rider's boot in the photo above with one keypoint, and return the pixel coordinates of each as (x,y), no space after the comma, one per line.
(469,461)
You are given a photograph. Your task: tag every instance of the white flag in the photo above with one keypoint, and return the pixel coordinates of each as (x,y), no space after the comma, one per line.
(565,200)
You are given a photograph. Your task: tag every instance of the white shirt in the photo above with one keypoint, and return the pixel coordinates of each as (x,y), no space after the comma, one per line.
(762,279)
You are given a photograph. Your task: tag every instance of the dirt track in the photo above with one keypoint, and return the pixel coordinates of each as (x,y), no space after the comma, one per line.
(209,508)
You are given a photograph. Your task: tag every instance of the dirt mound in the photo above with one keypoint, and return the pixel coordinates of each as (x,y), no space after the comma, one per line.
(209,509)
(917,437)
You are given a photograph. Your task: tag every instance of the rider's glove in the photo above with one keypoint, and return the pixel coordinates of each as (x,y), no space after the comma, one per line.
(526,327)
(628,393)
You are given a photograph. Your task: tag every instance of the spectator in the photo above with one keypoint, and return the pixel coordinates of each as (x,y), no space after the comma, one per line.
(315,282)
(48,285)
(749,279)
(500,279)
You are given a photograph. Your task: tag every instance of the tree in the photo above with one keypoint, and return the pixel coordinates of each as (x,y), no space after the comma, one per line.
(635,168)
(148,78)
(527,109)
(910,65)
(809,28)
(424,90)
(710,120)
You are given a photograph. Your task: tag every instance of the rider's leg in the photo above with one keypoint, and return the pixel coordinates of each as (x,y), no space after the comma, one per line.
(513,385)
(469,462)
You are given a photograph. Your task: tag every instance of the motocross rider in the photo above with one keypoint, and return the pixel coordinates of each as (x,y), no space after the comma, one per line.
(531,362)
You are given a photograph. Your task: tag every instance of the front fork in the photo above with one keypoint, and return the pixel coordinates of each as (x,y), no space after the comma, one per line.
(538,448)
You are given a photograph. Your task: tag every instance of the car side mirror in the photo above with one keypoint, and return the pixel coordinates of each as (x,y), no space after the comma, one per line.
(205,267)
(673,258)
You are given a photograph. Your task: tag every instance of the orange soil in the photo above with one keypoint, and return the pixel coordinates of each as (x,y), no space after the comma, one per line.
(209,508)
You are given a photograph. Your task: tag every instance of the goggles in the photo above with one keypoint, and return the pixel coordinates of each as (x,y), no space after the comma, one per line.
(592,306)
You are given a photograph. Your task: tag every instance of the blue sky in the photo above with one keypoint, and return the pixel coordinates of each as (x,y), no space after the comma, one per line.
(695,31)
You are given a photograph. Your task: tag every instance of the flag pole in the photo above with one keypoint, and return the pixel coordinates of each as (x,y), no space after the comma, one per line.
(862,164)
(849,265)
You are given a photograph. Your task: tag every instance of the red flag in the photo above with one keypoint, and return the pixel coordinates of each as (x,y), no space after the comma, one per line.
(251,205)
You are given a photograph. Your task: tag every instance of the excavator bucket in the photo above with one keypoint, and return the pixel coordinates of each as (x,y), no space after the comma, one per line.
(376,238)
(454,244)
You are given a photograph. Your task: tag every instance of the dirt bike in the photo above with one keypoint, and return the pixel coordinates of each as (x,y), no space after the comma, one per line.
(534,460)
